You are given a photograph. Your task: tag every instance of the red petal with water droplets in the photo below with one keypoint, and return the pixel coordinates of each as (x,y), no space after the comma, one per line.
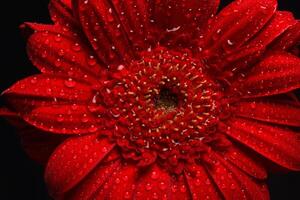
(73,160)
(243,58)
(102,26)
(276,74)
(280,22)
(135,19)
(245,162)
(54,51)
(121,182)
(235,63)
(42,90)
(270,111)
(228,184)
(236,24)
(61,13)
(201,185)
(95,180)
(233,183)
(179,188)
(282,146)
(288,39)
(64,119)
(182,21)
(188,15)
(154,183)
(29,28)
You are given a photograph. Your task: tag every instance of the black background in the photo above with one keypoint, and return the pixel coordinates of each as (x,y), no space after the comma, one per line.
(20,177)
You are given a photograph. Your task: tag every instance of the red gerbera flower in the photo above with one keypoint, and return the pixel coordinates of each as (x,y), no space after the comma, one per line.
(160,99)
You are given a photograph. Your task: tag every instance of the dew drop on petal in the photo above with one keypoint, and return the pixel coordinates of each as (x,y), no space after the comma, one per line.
(104,150)
(70,83)
(76,47)
(127,195)
(93,129)
(154,175)
(92,61)
(148,186)
(117,180)
(162,186)
(60,118)
(33,80)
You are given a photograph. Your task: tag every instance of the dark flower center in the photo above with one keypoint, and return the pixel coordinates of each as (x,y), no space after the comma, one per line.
(162,107)
(166,99)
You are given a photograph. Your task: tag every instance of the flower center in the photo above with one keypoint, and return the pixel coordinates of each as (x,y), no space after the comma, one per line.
(166,99)
(160,108)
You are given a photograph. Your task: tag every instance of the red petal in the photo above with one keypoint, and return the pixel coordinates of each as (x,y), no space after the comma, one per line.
(235,63)
(181,13)
(135,20)
(245,162)
(183,19)
(179,188)
(154,183)
(41,90)
(270,111)
(65,119)
(4,112)
(38,144)
(73,160)
(233,183)
(120,185)
(95,180)
(274,75)
(61,13)
(102,26)
(242,58)
(280,22)
(279,145)
(288,39)
(54,51)
(201,185)
(236,24)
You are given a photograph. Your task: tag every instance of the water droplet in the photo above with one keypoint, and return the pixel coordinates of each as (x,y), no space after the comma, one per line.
(154,175)
(162,186)
(198,182)
(61,52)
(58,38)
(57,63)
(76,47)
(148,186)
(117,180)
(127,195)
(125,178)
(104,149)
(33,80)
(121,67)
(60,118)
(85,118)
(183,188)
(93,129)
(92,61)
(70,83)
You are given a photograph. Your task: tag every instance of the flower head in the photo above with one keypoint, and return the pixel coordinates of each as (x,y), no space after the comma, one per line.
(160,99)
